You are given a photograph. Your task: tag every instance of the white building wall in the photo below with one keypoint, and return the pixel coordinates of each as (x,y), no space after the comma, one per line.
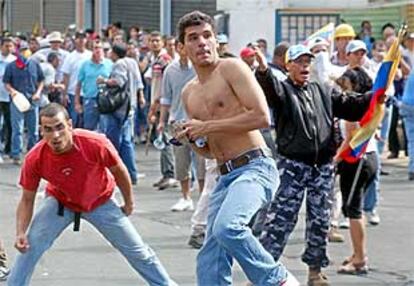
(250,20)
(253,19)
(318,4)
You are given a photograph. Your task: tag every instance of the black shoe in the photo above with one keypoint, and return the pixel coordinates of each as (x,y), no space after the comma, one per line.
(196,240)
(411,176)
(392,155)
(384,173)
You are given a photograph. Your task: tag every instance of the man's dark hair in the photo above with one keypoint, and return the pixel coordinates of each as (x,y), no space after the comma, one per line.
(52,110)
(117,25)
(6,40)
(378,43)
(261,40)
(281,49)
(52,56)
(388,25)
(155,34)
(195,18)
(365,22)
(120,50)
(359,79)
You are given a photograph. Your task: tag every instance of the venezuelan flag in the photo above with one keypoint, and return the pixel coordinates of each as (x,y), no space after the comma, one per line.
(326,32)
(372,118)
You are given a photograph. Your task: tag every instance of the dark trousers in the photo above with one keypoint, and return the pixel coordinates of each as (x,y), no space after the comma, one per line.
(347,173)
(296,179)
(393,140)
(6,128)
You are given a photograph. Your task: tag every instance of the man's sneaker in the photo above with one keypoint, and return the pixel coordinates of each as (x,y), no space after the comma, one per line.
(160,181)
(168,183)
(183,205)
(4,272)
(1,160)
(411,176)
(373,218)
(290,280)
(17,161)
(344,224)
(196,240)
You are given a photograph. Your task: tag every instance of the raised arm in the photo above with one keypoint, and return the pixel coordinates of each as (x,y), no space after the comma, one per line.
(351,107)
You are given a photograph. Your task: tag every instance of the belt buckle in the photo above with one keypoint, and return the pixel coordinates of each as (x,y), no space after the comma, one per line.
(229,166)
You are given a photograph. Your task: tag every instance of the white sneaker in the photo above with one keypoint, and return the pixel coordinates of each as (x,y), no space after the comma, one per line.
(290,280)
(183,205)
(4,272)
(344,224)
(373,217)
(1,160)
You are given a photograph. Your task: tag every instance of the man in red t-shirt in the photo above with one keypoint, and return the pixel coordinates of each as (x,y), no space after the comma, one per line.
(82,169)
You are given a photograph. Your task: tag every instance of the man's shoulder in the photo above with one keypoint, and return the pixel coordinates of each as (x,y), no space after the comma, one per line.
(87,135)
(36,152)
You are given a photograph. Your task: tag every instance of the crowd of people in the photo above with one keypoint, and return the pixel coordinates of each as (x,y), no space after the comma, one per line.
(255,133)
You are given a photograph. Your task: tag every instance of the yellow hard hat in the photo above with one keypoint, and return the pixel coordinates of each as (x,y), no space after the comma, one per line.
(344,30)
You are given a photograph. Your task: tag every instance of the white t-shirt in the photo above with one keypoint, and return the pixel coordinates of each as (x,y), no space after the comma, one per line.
(71,67)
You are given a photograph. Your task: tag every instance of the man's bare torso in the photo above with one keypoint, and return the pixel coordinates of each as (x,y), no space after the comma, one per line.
(215,99)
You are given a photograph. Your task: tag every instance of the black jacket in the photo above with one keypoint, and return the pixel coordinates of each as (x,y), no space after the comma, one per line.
(304,117)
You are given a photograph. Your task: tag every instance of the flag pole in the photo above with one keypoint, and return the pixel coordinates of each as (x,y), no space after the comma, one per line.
(355,181)
(401,33)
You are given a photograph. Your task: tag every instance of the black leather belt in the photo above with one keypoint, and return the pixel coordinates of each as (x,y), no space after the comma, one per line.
(240,161)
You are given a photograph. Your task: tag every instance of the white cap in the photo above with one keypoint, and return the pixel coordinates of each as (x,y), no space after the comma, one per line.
(355,45)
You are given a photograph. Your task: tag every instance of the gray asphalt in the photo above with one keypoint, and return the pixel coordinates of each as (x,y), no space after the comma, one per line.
(86,259)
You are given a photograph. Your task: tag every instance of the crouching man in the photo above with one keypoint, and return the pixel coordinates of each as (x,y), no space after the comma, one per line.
(82,169)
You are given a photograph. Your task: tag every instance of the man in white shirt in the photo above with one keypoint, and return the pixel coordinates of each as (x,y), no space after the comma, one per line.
(70,69)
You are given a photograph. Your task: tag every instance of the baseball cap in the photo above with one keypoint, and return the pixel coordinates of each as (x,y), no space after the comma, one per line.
(297,51)
(23,45)
(247,52)
(355,45)
(80,33)
(316,42)
(222,39)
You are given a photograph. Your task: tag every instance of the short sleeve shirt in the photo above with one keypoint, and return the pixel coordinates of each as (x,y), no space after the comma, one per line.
(80,178)
(88,74)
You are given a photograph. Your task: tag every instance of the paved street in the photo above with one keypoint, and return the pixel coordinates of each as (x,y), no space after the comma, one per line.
(85,259)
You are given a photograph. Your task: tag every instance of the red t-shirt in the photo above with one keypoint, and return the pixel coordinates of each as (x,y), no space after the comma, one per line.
(79,179)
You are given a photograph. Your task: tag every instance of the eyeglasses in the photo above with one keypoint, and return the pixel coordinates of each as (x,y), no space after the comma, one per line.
(303,61)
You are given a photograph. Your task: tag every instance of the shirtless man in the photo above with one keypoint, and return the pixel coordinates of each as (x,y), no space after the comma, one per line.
(226,105)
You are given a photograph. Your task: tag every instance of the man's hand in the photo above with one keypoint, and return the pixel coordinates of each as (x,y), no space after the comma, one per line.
(65,100)
(161,127)
(100,80)
(261,59)
(22,243)
(128,208)
(141,101)
(78,107)
(193,129)
(36,96)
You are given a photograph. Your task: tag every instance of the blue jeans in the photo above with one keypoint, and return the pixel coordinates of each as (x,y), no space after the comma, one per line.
(408,117)
(109,220)
(236,198)
(72,112)
(91,115)
(372,192)
(119,131)
(18,119)
(385,128)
